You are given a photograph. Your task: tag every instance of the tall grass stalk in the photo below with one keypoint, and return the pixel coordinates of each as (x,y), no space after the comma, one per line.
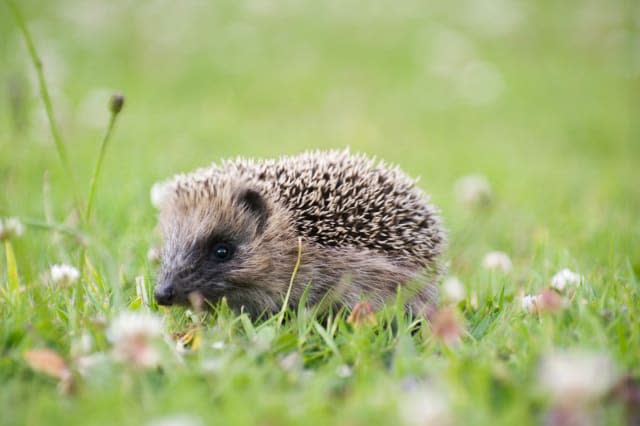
(46,99)
(115,108)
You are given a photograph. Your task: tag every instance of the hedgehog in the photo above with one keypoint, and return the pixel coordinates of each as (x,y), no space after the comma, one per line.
(328,227)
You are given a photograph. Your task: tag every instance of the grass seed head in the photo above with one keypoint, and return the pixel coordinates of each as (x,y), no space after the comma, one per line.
(116,103)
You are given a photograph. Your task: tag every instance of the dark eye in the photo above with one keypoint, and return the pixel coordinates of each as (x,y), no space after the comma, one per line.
(222,251)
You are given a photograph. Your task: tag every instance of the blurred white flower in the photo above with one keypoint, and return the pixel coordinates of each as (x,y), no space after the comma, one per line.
(425,406)
(153,255)
(497,260)
(134,336)
(473,190)
(64,275)
(82,345)
(576,377)
(11,227)
(160,192)
(530,303)
(177,420)
(343,371)
(453,290)
(565,278)
(218,345)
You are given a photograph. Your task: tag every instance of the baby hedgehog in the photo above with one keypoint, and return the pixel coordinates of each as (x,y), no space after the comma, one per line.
(360,228)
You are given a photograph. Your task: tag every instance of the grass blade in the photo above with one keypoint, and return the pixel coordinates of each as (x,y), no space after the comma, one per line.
(46,99)
(12,268)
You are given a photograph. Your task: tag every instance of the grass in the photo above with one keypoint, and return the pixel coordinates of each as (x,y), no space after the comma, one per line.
(539,97)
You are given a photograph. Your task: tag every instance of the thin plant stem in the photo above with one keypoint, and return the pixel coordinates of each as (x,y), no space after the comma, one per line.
(115,106)
(46,99)
(293,276)
(96,171)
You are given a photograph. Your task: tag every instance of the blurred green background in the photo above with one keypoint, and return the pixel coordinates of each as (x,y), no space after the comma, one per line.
(541,97)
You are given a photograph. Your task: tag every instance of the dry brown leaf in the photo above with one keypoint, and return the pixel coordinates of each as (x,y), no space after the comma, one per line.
(49,362)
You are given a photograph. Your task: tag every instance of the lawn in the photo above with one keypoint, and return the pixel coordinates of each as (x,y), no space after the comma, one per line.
(539,98)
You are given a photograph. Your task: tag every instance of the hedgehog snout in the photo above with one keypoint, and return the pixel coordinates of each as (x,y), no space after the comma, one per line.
(165,293)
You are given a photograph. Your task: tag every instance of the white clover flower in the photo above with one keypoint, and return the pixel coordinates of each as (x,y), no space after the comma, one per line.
(218,345)
(531,303)
(426,406)
(64,275)
(160,191)
(11,227)
(473,190)
(497,260)
(134,336)
(453,290)
(576,377)
(565,278)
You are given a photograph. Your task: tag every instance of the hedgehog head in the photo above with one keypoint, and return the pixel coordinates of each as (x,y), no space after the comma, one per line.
(221,237)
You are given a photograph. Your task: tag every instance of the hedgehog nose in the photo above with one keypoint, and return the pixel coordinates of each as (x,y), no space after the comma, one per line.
(164,294)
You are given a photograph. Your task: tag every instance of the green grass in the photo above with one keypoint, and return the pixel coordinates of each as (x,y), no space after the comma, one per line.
(557,138)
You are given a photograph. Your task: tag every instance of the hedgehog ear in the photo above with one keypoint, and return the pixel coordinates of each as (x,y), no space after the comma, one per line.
(255,203)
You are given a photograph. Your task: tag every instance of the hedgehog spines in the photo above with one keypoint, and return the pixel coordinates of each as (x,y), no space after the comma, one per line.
(335,199)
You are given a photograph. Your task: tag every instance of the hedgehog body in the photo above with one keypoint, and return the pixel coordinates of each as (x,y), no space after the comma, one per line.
(359,229)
